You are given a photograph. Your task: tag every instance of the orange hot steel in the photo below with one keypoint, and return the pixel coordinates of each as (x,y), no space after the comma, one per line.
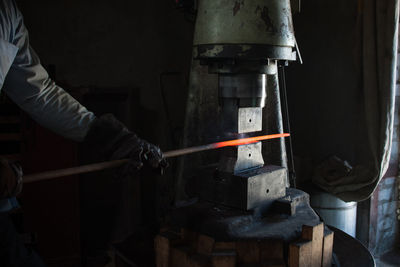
(236,142)
(169,154)
(250,140)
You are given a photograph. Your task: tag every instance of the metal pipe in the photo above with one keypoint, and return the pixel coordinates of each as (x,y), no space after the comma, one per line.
(274,152)
(170,154)
(286,122)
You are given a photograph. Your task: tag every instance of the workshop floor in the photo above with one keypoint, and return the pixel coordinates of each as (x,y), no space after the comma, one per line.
(390,259)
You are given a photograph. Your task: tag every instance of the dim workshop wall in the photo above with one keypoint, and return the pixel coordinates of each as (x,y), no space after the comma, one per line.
(121,48)
(116,44)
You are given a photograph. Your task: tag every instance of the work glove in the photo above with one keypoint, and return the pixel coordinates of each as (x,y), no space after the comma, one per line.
(10,179)
(117,142)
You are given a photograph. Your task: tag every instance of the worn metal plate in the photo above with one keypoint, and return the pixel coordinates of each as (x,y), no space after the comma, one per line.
(246,190)
(249,156)
(242,158)
(250,120)
(265,184)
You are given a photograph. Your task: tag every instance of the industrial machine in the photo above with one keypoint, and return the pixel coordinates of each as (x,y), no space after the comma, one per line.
(245,199)
(241,43)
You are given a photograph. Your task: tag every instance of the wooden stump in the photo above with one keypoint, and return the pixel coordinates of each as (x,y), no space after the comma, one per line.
(315,234)
(300,253)
(327,249)
(190,249)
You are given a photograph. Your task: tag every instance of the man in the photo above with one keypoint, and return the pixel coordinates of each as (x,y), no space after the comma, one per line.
(26,82)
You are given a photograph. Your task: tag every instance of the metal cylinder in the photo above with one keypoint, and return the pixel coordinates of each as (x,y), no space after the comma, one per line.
(335,212)
(244,30)
(244,22)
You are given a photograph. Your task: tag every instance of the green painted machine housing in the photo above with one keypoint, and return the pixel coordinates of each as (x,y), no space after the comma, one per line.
(248,29)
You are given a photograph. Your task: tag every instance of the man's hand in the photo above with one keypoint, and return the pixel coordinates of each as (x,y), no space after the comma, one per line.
(10,179)
(117,142)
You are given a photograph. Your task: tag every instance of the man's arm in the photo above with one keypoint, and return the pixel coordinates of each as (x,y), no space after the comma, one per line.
(28,85)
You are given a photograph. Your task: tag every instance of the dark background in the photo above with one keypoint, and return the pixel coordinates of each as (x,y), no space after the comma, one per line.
(129,58)
(133,58)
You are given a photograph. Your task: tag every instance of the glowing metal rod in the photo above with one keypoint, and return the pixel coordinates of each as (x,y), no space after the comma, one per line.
(170,154)
(236,142)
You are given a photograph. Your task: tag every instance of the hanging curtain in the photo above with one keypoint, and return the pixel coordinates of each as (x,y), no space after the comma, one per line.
(379,41)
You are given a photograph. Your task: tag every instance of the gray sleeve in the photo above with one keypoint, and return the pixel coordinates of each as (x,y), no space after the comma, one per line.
(29,86)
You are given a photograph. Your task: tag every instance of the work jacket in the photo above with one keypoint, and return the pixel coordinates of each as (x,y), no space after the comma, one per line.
(27,83)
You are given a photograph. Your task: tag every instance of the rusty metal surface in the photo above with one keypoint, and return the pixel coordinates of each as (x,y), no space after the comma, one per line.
(244,22)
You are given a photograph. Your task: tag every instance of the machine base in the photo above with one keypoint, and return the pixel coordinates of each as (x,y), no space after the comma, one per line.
(228,224)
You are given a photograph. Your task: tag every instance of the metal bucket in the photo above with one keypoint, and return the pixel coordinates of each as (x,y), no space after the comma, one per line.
(335,212)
